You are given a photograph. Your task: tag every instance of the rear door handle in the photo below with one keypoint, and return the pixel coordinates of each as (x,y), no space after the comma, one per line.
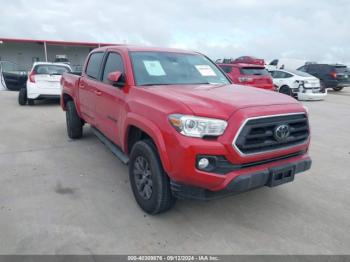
(99,93)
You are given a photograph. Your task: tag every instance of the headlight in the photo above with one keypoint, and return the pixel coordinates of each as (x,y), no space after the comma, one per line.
(194,126)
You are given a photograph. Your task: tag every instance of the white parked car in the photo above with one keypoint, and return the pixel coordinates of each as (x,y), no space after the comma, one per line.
(300,85)
(43,82)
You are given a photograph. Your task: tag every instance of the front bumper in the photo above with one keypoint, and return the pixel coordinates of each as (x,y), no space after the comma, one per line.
(182,153)
(273,176)
(310,96)
(36,93)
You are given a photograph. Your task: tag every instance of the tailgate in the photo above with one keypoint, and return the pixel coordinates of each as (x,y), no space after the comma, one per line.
(48,81)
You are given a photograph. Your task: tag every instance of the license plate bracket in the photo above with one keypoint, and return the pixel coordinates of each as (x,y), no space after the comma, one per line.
(281,175)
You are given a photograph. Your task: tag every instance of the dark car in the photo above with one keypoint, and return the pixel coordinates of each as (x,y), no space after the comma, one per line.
(335,76)
(14,76)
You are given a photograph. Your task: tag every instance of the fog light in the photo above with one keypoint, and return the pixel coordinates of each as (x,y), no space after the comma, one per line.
(203,163)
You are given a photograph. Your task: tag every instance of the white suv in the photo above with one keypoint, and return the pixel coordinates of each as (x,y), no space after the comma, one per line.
(43,82)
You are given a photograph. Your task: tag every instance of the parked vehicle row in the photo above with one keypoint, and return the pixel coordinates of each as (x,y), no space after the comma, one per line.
(182,127)
(297,78)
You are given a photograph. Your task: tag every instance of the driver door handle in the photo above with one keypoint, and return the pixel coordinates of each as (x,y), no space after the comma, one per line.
(99,93)
(81,85)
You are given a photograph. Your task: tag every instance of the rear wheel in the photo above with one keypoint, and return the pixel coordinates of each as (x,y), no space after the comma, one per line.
(285,90)
(337,89)
(149,182)
(74,122)
(22,96)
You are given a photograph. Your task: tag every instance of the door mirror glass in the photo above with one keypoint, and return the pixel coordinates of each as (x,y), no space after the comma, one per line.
(114,77)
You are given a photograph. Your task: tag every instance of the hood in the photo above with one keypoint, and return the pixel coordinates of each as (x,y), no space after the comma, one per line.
(220,101)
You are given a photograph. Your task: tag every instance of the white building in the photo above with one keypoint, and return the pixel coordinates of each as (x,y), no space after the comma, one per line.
(26,51)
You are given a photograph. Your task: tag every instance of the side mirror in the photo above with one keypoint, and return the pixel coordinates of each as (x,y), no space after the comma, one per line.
(116,78)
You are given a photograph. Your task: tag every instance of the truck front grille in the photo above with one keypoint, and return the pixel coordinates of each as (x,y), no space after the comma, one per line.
(264,134)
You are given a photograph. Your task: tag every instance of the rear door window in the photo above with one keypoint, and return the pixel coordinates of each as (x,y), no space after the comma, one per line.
(280,74)
(287,75)
(254,71)
(94,64)
(314,69)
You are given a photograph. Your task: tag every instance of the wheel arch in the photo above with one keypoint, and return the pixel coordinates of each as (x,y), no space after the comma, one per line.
(64,100)
(137,128)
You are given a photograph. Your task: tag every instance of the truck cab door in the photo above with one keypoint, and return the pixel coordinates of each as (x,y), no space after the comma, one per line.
(109,99)
(86,87)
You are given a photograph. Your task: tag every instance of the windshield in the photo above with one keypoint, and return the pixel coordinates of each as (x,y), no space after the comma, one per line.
(51,70)
(168,68)
(254,71)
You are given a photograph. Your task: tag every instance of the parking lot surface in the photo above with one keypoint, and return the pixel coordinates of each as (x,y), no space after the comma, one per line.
(60,196)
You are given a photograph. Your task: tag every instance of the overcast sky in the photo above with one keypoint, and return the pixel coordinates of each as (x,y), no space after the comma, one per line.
(317,30)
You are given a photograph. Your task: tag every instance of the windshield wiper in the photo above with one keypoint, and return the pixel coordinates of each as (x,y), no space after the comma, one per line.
(168,84)
(157,84)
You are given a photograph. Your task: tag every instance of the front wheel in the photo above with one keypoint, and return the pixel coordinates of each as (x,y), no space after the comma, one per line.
(337,89)
(285,90)
(22,96)
(149,183)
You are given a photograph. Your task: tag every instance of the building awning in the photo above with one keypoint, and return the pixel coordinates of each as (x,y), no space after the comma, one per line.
(54,42)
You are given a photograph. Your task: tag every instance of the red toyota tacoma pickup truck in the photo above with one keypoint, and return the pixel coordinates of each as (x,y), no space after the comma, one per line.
(182,127)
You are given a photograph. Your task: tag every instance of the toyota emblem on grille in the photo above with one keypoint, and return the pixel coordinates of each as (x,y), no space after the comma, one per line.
(282,133)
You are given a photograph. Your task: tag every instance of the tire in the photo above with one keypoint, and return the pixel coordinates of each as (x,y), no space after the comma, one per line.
(22,96)
(74,122)
(323,86)
(285,90)
(337,89)
(31,102)
(149,182)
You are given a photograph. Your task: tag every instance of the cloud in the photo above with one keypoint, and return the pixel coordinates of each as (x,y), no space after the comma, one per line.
(315,30)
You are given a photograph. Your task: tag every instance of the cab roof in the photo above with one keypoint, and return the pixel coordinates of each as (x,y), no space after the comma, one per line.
(127,48)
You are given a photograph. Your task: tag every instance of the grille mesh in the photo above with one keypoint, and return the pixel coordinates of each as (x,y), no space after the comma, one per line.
(258,135)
